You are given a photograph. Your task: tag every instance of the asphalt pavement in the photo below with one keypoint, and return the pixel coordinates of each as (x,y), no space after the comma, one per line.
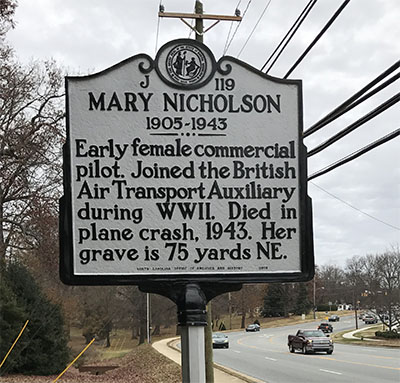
(222,374)
(168,348)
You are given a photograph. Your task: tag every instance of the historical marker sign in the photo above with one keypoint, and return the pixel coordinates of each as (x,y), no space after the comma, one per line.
(184,168)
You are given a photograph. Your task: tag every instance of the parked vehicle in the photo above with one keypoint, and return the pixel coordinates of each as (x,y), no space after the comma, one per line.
(220,340)
(310,341)
(334,318)
(325,327)
(370,319)
(253,327)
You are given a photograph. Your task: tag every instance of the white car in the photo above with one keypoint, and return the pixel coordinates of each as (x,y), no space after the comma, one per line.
(220,340)
(253,327)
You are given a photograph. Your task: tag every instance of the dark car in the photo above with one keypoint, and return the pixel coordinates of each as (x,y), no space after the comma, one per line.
(334,318)
(325,327)
(220,341)
(253,327)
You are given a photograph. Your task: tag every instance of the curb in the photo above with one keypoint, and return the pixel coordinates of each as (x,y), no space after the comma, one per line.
(350,335)
(173,342)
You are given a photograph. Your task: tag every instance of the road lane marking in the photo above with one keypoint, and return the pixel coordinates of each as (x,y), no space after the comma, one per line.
(240,341)
(274,360)
(384,357)
(331,372)
(237,352)
(359,363)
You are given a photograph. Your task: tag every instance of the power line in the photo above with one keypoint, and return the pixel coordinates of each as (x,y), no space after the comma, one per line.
(230,30)
(356,154)
(355,208)
(160,8)
(369,116)
(227,38)
(359,101)
(191,22)
(240,22)
(324,29)
(251,33)
(348,104)
(296,25)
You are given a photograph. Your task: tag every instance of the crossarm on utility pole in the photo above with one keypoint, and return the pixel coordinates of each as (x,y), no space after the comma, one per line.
(198,16)
(175,15)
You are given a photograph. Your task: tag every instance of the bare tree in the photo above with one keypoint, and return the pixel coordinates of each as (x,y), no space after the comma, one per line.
(332,279)
(31,135)
(386,299)
(247,300)
(7,9)
(377,283)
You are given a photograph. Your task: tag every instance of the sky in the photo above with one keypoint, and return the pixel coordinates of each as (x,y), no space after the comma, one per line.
(356,207)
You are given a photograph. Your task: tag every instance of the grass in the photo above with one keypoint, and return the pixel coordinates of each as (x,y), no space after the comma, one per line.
(121,344)
(363,337)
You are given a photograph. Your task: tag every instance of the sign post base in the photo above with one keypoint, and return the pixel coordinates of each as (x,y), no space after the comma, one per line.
(191,300)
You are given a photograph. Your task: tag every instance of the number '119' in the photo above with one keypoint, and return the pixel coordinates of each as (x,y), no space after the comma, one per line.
(224,84)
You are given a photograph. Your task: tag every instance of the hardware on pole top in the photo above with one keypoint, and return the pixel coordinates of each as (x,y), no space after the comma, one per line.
(199,16)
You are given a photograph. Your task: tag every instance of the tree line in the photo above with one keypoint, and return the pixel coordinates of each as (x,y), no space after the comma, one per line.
(370,282)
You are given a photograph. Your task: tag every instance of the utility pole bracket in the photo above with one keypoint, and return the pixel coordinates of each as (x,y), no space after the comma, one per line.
(199,16)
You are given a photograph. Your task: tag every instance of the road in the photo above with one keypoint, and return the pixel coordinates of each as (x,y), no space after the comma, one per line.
(265,356)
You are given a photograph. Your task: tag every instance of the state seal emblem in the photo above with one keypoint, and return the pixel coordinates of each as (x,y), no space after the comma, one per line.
(186,64)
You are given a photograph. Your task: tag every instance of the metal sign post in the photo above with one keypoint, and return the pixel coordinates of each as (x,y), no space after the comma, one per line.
(191,300)
(193,354)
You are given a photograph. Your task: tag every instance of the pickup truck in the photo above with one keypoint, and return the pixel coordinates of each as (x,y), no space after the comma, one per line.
(310,341)
(325,327)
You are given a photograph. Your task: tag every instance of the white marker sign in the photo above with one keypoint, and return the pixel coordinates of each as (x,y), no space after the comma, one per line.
(184,168)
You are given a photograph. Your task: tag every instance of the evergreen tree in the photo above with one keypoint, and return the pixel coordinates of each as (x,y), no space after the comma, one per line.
(275,301)
(303,304)
(43,348)
(12,319)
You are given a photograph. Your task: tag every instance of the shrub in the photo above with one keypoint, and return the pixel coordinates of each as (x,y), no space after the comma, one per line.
(326,307)
(42,349)
(387,334)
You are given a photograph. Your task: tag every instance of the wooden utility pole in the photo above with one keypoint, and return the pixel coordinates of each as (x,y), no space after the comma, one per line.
(199,16)
(199,22)
(209,347)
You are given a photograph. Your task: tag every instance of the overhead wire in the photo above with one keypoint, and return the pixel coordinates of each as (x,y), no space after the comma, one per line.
(237,27)
(158,26)
(360,100)
(355,154)
(355,208)
(320,34)
(191,22)
(296,25)
(352,101)
(381,108)
(230,29)
(255,26)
